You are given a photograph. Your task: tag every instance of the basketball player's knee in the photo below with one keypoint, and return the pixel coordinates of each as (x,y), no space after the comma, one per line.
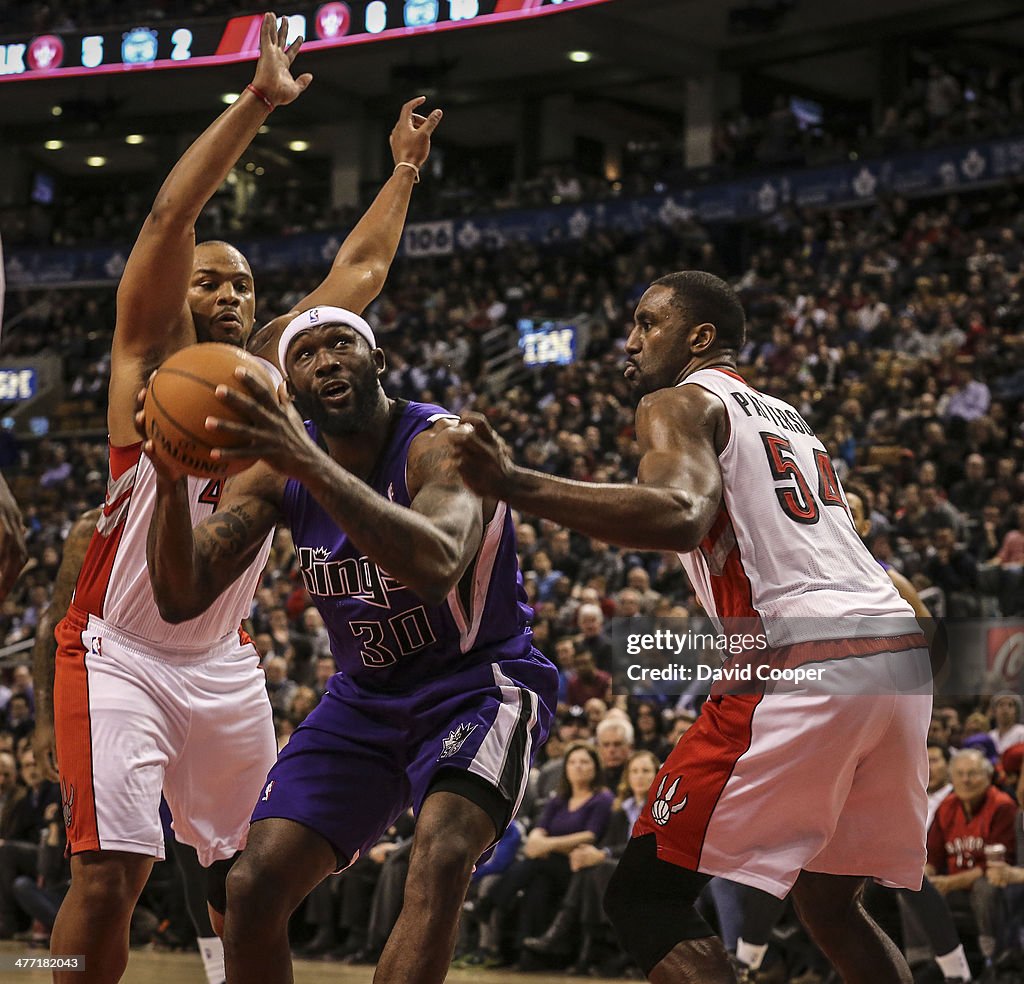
(443,856)
(651,904)
(827,915)
(253,895)
(109,888)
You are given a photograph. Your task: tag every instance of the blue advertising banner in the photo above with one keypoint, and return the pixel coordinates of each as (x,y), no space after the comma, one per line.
(547,343)
(841,185)
(18,384)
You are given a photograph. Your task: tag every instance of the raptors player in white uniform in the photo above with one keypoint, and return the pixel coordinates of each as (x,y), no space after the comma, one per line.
(141,705)
(812,789)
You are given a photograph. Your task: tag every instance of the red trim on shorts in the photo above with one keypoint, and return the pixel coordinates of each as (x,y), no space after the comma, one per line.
(94,577)
(73,727)
(244,638)
(703,761)
(801,653)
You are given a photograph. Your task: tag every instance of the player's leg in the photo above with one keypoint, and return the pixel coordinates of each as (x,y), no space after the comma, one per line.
(281,864)
(474,739)
(115,730)
(831,908)
(651,904)
(215,780)
(932,912)
(217,892)
(205,899)
(96,914)
(714,809)
(747,917)
(334,789)
(888,789)
(452,831)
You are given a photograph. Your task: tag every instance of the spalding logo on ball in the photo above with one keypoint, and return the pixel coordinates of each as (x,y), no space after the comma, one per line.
(182,394)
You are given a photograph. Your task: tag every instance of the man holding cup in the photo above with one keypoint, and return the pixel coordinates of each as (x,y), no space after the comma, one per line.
(973,826)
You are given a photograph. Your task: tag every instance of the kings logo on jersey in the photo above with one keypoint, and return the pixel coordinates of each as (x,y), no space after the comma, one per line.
(355,578)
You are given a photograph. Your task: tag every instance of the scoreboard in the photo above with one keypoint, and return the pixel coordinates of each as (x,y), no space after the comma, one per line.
(177,44)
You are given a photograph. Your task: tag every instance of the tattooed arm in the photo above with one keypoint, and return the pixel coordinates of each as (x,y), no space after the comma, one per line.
(427,547)
(191,567)
(45,648)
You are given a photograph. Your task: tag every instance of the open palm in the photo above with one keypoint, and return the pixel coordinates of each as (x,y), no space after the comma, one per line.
(274,69)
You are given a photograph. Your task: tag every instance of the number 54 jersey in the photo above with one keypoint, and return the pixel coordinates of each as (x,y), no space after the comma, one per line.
(383,636)
(783,548)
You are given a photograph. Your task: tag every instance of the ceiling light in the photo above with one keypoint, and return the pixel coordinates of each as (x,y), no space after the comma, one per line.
(53,144)
(580,57)
(264,129)
(228,98)
(259,171)
(95,161)
(298,145)
(250,167)
(134,138)
(56,110)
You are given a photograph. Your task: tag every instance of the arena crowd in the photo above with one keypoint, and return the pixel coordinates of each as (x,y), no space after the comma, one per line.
(894,329)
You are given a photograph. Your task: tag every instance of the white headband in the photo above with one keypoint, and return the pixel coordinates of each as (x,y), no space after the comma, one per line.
(272,371)
(314,318)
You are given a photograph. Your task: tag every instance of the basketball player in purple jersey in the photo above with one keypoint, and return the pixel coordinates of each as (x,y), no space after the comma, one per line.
(440,700)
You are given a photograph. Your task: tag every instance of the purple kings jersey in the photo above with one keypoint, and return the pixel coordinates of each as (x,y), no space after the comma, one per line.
(383,636)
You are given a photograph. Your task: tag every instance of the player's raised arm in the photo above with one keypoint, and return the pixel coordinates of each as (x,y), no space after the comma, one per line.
(13,552)
(152,316)
(45,648)
(362,263)
(672,508)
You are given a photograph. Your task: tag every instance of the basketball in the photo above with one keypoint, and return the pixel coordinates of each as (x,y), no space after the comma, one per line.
(182,395)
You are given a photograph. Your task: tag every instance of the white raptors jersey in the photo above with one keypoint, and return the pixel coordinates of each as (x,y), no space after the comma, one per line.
(783,547)
(114,583)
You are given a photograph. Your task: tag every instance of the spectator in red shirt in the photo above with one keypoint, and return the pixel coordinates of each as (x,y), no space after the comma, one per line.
(974,816)
(587,681)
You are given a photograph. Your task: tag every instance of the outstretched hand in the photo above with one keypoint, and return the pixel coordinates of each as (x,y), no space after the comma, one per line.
(410,139)
(273,75)
(483,458)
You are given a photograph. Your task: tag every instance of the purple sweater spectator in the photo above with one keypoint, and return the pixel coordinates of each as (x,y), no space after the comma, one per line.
(557,820)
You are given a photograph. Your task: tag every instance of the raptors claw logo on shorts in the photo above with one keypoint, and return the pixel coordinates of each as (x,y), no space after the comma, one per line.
(67,793)
(662,809)
(455,740)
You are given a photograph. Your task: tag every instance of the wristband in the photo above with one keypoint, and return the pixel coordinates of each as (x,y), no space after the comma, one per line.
(261,96)
(415,170)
